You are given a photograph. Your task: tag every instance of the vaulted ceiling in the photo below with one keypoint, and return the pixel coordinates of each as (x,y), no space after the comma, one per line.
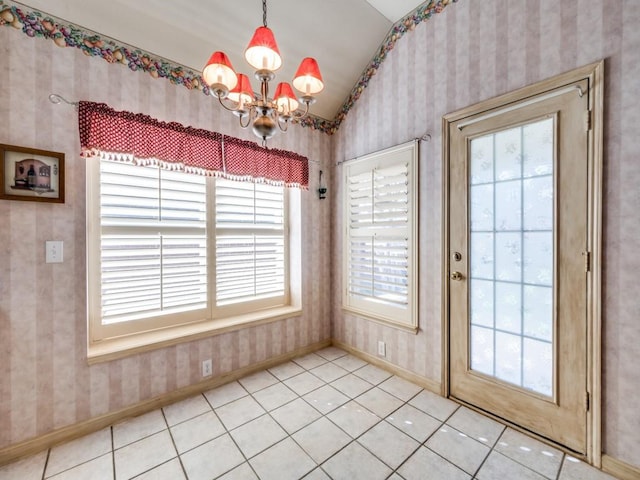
(343,35)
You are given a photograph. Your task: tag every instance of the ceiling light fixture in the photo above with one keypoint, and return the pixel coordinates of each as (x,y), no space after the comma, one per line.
(235,94)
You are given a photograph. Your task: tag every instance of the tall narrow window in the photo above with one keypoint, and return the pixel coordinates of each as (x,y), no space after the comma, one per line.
(380,242)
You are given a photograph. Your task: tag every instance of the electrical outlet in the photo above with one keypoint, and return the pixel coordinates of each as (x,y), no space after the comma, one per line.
(207,368)
(382,348)
(53,251)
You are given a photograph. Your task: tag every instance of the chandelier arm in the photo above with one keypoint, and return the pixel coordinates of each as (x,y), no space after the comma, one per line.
(298,115)
(281,122)
(230,109)
(248,116)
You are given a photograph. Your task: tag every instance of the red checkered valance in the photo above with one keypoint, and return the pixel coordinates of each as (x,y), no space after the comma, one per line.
(142,140)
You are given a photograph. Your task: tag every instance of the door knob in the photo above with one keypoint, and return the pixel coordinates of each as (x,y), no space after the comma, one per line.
(456,276)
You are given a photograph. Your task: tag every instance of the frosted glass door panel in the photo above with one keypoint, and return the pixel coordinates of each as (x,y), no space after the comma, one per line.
(511,239)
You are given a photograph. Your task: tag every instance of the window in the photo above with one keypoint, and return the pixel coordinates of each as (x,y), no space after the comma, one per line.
(380,241)
(250,246)
(160,258)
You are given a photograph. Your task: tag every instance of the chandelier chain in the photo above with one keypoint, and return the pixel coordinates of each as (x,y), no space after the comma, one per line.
(264,12)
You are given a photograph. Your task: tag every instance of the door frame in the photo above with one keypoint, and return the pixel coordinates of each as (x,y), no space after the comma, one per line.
(594,73)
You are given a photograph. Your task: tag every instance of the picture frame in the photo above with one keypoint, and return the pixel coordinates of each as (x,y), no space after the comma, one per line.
(30,174)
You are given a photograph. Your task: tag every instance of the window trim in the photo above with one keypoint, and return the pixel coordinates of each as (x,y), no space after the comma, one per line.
(163,331)
(406,152)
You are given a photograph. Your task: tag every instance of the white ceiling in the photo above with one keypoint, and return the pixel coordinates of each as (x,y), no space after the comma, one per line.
(343,35)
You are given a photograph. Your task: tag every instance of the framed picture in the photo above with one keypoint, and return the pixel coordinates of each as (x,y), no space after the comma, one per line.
(30,174)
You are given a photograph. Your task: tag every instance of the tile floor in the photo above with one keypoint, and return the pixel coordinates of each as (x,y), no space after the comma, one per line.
(327,415)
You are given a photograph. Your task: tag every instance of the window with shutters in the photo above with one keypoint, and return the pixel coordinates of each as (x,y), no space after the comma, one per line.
(250,244)
(380,241)
(168,249)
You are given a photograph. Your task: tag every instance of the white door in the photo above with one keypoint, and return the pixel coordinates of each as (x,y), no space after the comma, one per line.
(518,230)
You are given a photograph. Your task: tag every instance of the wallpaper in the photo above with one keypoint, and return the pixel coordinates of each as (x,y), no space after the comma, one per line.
(45,382)
(472,51)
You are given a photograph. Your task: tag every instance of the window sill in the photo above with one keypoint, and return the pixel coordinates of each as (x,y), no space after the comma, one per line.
(115,348)
(381,320)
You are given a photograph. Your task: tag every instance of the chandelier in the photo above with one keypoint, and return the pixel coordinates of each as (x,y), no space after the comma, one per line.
(235,94)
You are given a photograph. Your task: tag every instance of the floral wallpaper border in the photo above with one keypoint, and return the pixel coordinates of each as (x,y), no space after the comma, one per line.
(37,25)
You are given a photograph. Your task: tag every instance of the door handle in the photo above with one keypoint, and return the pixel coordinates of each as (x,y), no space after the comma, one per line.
(457,276)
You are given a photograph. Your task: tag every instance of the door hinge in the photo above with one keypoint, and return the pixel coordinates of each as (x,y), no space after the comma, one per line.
(587,120)
(587,401)
(587,261)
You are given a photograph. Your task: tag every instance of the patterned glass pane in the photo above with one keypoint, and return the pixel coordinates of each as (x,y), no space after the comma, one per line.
(511,188)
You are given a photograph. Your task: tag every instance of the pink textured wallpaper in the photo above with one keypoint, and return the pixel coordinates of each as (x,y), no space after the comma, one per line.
(45,382)
(472,51)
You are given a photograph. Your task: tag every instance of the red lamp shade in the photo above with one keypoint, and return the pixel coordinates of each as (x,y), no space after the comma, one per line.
(308,79)
(242,93)
(285,99)
(262,52)
(219,72)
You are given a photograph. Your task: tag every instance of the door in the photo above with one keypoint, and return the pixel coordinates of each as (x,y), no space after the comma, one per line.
(518,240)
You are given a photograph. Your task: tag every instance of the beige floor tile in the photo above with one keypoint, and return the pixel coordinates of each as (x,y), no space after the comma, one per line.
(69,455)
(317,474)
(295,415)
(414,422)
(225,394)
(435,405)
(379,402)
(186,409)
(239,412)
(326,399)
(351,385)
(355,463)
(400,388)
(321,439)
(372,374)
(286,370)
(171,470)
(529,452)
(477,426)
(331,353)
(198,430)
(258,381)
(350,363)
(30,468)
(499,466)
(143,455)
(212,459)
(243,472)
(389,444)
(329,372)
(458,448)
(138,428)
(310,361)
(353,418)
(257,435)
(100,468)
(303,383)
(284,461)
(424,460)
(574,469)
(274,396)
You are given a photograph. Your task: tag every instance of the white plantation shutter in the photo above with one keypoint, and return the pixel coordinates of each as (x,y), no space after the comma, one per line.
(153,242)
(380,240)
(250,244)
